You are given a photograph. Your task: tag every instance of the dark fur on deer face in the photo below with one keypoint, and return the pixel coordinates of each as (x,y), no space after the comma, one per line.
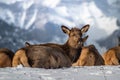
(51,55)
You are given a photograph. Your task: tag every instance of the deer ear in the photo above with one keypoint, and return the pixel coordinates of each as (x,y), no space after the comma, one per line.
(27,44)
(65,29)
(85,28)
(85,38)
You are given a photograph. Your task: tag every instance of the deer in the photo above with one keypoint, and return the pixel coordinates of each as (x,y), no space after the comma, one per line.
(89,57)
(52,55)
(112,55)
(6,57)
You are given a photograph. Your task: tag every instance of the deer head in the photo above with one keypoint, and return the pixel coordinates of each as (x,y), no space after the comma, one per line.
(75,35)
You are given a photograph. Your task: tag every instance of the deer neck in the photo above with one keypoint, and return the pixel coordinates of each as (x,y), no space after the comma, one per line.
(118,41)
(73,53)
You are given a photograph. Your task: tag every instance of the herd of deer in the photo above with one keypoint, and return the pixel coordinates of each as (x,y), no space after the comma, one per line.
(51,55)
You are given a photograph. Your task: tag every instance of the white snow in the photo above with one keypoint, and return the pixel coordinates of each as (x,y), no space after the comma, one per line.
(50,3)
(9,1)
(72,73)
(33,18)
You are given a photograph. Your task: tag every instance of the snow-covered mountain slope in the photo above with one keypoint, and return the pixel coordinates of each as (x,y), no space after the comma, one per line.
(46,16)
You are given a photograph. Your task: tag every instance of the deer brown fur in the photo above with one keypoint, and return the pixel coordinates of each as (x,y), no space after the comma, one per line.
(51,55)
(112,56)
(6,57)
(20,58)
(89,57)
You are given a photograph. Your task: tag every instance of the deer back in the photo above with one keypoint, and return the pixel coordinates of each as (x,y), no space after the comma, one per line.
(89,57)
(51,55)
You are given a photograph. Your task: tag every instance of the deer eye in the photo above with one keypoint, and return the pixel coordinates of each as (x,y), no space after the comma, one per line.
(72,34)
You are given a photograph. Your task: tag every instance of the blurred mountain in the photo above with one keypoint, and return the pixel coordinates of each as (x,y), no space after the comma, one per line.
(10,36)
(39,21)
(110,8)
(13,37)
(110,41)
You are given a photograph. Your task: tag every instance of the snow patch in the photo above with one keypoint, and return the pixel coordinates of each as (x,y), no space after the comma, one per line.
(9,1)
(50,3)
(108,72)
(62,11)
(73,73)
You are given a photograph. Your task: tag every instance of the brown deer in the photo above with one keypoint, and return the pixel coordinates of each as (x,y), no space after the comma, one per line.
(6,57)
(112,56)
(89,57)
(51,55)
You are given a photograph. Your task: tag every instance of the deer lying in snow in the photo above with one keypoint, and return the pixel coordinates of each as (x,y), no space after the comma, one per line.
(89,57)
(6,57)
(51,55)
(112,56)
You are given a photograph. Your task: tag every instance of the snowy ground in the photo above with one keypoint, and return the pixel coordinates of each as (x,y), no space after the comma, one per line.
(101,15)
(73,73)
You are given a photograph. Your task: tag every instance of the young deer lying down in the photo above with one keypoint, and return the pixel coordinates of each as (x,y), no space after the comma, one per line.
(51,55)
(6,57)
(112,56)
(89,57)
